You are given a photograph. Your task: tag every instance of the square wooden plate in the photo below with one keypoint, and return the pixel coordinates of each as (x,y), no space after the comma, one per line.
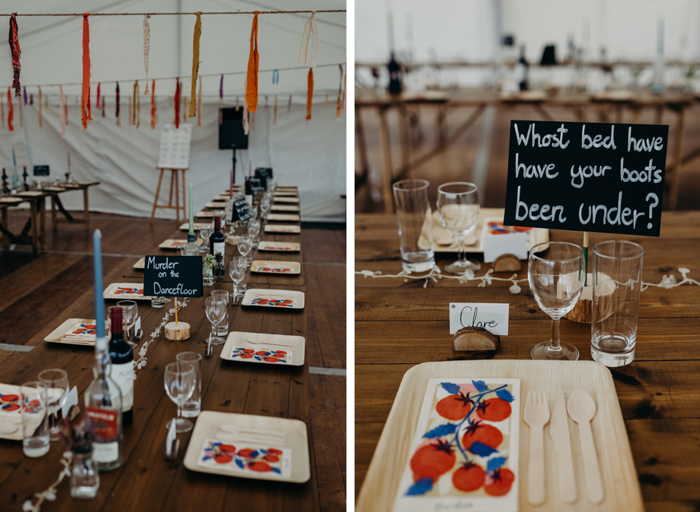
(172,244)
(621,486)
(283,217)
(276,267)
(140,264)
(276,228)
(59,332)
(207,427)
(279,246)
(208,213)
(110,292)
(286,193)
(286,200)
(196,225)
(216,204)
(297,298)
(11,422)
(297,346)
(284,208)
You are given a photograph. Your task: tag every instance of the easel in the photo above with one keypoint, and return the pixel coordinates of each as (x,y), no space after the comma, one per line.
(174,187)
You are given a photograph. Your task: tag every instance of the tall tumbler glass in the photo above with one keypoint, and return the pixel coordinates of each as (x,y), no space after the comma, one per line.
(35,424)
(617,282)
(415,224)
(222,329)
(192,407)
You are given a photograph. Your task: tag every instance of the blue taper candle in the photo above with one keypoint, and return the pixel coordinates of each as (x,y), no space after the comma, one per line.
(191,212)
(99,285)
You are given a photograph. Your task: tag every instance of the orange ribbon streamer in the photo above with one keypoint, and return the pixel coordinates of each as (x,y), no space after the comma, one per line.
(199,105)
(10,111)
(195,63)
(310,94)
(177,103)
(153,106)
(16,53)
(85,103)
(251,92)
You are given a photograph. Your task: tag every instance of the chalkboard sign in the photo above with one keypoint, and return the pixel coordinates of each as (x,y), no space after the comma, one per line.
(240,210)
(263,172)
(41,170)
(252,185)
(172,276)
(605,178)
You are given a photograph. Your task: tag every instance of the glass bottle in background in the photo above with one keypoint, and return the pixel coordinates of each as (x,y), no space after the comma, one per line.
(191,248)
(217,244)
(522,70)
(103,403)
(657,86)
(122,356)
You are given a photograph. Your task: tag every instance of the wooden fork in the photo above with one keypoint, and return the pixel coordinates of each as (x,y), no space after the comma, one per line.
(536,416)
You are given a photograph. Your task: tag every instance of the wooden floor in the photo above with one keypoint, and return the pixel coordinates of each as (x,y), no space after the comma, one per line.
(35,289)
(481,154)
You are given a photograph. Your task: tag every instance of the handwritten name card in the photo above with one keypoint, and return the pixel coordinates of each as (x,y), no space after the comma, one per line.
(490,316)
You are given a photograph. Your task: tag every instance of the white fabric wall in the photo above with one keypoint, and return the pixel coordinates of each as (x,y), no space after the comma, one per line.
(123,158)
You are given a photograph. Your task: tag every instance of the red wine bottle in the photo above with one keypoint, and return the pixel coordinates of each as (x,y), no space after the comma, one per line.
(217,243)
(122,357)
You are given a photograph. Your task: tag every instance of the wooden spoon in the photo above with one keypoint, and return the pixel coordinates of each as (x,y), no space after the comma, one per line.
(581,408)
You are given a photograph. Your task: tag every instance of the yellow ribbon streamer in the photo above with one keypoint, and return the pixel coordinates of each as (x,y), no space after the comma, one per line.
(195,63)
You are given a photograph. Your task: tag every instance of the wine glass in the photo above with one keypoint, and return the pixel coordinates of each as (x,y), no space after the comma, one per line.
(254,232)
(253,213)
(130,313)
(264,206)
(458,206)
(245,246)
(56,382)
(237,271)
(556,274)
(205,233)
(179,385)
(215,309)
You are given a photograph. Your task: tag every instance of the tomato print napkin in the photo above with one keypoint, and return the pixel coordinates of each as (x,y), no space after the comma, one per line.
(464,455)
(242,459)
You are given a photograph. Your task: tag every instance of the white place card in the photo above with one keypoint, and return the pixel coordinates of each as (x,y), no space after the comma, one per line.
(511,243)
(492,317)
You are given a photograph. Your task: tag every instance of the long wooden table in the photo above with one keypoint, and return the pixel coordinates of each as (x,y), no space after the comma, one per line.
(399,324)
(146,481)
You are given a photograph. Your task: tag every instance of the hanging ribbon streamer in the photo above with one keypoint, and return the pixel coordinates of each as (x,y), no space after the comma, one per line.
(85,107)
(252,122)
(184,109)
(10,110)
(31,99)
(275,76)
(177,103)
(325,102)
(251,91)
(310,28)
(62,111)
(2,110)
(16,53)
(137,105)
(345,87)
(146,46)
(199,105)
(97,99)
(40,122)
(289,106)
(24,94)
(19,111)
(339,102)
(154,121)
(65,109)
(275,114)
(221,97)
(266,101)
(310,94)
(246,127)
(130,113)
(103,106)
(195,63)
(46,103)
(117,100)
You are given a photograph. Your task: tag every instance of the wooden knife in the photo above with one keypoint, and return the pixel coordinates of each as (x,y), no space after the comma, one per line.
(559,432)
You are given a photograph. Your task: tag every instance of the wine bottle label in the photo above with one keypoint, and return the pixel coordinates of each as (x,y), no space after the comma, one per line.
(105,452)
(123,375)
(104,423)
(218,253)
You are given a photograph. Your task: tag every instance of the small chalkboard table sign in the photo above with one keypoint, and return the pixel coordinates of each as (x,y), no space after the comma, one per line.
(173,276)
(240,211)
(589,177)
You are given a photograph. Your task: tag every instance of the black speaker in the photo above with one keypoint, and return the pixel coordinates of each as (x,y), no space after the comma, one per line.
(231,129)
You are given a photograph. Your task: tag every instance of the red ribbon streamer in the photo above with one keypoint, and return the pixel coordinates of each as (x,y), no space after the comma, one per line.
(251,92)
(85,103)
(177,103)
(310,94)
(10,111)
(16,52)
(153,105)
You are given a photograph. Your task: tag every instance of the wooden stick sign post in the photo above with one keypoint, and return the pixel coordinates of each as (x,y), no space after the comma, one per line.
(174,276)
(590,177)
